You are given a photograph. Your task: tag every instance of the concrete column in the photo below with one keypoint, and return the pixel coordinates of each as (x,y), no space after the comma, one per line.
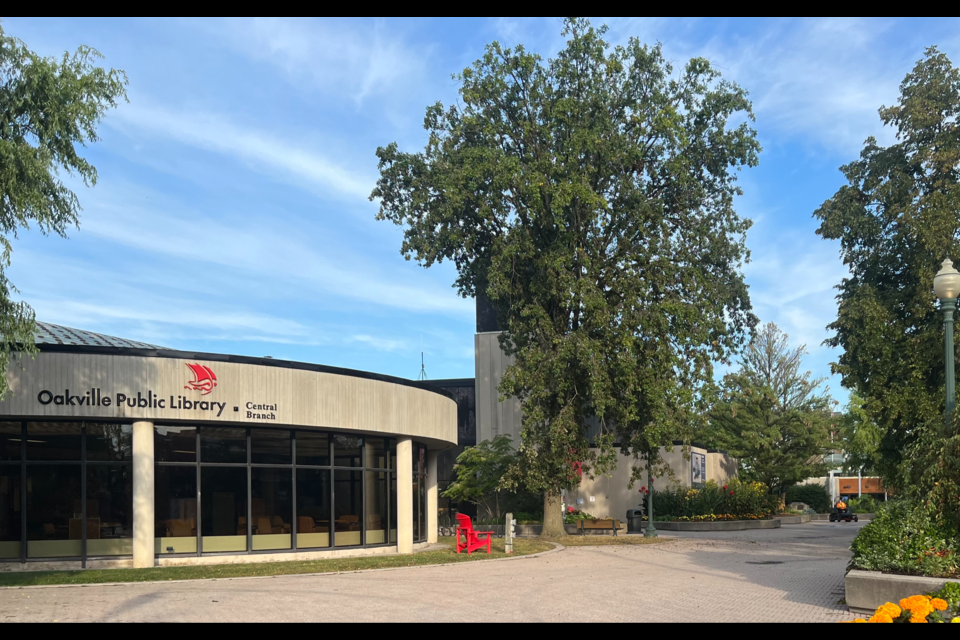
(432,495)
(404,495)
(143,493)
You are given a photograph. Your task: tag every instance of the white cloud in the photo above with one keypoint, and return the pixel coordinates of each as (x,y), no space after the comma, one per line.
(261,151)
(295,259)
(356,59)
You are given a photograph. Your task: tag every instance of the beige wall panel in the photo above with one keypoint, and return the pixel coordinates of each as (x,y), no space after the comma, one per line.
(287,397)
(612,497)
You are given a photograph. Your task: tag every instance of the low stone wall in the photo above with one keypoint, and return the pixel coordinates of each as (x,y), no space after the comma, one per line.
(732,525)
(867,590)
(794,519)
(532,530)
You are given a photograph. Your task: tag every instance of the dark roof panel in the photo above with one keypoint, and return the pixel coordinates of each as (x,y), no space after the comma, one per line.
(55,334)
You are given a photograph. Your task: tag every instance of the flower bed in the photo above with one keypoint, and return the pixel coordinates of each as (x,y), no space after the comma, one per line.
(919,608)
(714,517)
(713,503)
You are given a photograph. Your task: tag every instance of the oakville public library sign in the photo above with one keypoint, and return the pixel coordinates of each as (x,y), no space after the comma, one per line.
(205,380)
(193,389)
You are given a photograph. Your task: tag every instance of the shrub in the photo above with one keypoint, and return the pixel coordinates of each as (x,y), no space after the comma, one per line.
(905,538)
(575,515)
(864,504)
(739,499)
(813,495)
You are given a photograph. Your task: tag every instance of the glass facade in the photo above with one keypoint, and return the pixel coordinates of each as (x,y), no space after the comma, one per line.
(269,490)
(66,490)
(419,493)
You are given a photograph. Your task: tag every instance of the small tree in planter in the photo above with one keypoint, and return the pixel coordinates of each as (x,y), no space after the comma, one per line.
(479,470)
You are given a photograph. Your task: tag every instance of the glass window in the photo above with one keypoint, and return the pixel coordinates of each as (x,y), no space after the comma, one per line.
(53,511)
(393,508)
(223,508)
(10,436)
(109,509)
(346,450)
(218,444)
(53,441)
(375,453)
(376,507)
(393,454)
(347,495)
(271,507)
(313,448)
(175,444)
(313,507)
(109,442)
(176,509)
(10,511)
(270,446)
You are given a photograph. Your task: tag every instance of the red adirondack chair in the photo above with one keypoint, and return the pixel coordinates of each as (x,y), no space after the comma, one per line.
(472,540)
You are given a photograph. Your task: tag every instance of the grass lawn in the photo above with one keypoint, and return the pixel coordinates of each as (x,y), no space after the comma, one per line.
(93,576)
(603,541)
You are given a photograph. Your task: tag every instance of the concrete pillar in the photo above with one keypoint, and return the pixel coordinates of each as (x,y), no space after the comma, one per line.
(432,495)
(404,495)
(143,493)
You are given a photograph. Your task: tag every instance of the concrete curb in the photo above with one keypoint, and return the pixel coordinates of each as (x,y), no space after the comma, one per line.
(867,590)
(730,525)
(556,548)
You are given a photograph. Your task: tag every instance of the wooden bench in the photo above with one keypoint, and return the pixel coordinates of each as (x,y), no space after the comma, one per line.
(604,524)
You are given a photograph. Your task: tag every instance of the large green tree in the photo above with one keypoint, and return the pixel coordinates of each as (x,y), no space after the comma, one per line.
(47,108)
(590,198)
(772,416)
(860,438)
(896,220)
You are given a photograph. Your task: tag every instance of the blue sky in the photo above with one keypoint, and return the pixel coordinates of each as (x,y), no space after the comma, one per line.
(232,214)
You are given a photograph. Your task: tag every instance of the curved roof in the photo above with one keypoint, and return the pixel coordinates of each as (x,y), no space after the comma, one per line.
(56,338)
(47,334)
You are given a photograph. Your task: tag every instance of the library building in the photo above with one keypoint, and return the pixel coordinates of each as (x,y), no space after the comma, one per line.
(120,453)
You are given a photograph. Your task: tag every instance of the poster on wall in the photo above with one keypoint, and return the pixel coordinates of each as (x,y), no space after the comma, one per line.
(699,468)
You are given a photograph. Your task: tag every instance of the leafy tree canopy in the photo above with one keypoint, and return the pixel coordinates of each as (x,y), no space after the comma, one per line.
(772,416)
(479,470)
(47,108)
(860,438)
(589,197)
(896,219)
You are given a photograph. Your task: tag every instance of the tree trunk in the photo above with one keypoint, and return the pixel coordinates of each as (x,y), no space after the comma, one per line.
(552,516)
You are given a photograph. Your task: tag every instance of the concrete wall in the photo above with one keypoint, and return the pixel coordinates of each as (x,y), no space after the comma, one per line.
(295,397)
(611,496)
(493,417)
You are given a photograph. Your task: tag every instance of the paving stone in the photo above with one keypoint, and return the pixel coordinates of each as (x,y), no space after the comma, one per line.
(792,574)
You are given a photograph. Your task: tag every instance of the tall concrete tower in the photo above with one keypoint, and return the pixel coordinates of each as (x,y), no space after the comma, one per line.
(493,417)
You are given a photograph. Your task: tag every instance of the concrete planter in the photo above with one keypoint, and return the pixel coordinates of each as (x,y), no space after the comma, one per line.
(732,525)
(532,530)
(794,519)
(867,590)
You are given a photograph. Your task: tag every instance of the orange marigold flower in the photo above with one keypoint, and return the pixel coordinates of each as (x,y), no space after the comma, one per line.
(859,620)
(890,609)
(881,616)
(939,604)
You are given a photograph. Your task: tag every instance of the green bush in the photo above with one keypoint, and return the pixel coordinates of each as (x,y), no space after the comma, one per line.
(905,538)
(813,495)
(573,517)
(735,498)
(864,504)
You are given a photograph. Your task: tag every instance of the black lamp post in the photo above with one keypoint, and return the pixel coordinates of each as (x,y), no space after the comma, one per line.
(946,284)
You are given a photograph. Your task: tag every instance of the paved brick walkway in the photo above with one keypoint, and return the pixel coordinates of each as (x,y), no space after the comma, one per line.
(794,574)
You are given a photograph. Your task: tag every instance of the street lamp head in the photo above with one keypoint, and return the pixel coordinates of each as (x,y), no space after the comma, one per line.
(946,284)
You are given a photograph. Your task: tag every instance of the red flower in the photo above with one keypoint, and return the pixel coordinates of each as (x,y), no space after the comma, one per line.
(731,493)
(724,487)
(569,509)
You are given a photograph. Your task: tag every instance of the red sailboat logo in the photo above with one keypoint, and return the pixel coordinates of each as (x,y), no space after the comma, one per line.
(204,379)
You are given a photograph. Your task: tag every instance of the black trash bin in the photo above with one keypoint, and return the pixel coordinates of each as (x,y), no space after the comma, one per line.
(634,520)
